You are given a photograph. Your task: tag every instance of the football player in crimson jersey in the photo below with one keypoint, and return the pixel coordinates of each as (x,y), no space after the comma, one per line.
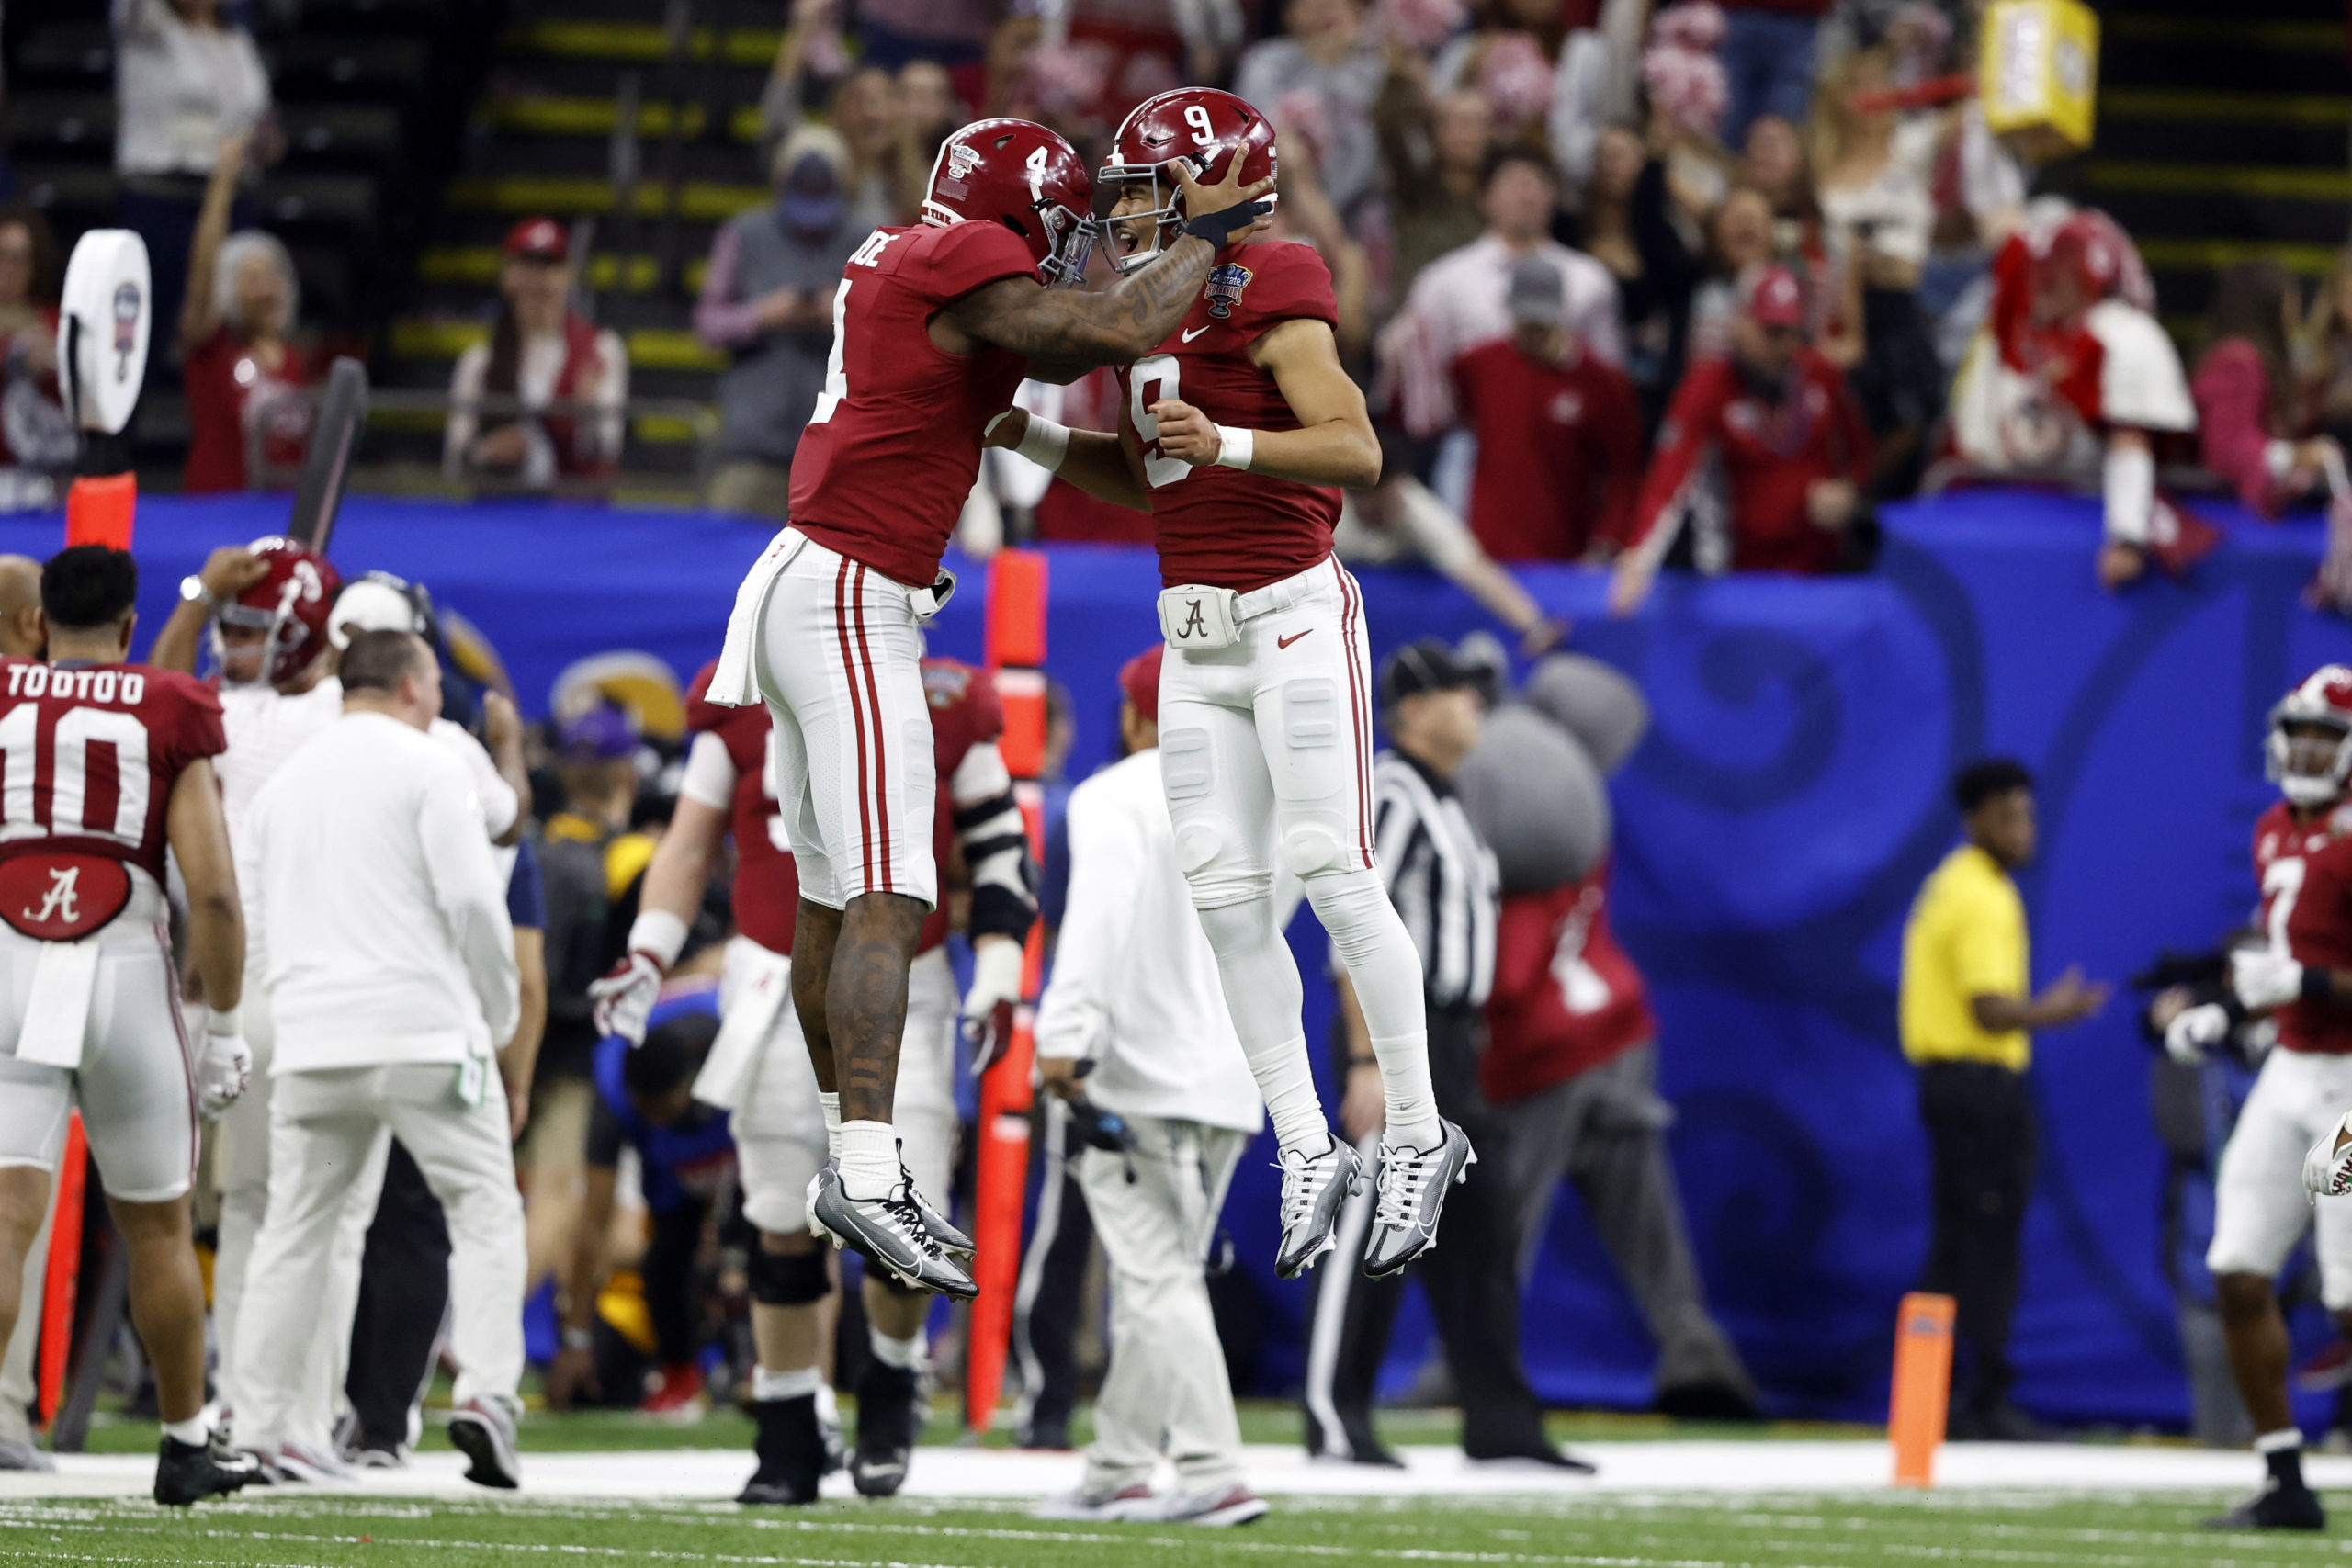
(934,328)
(1236,435)
(108,764)
(2302,980)
(760,1066)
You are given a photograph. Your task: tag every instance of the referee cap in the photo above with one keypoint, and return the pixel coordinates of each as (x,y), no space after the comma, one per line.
(1424,666)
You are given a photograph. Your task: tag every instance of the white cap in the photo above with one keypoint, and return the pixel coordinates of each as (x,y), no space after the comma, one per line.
(369,607)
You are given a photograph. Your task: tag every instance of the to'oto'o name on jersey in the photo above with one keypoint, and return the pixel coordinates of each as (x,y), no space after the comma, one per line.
(883,469)
(2305,872)
(1222,527)
(89,754)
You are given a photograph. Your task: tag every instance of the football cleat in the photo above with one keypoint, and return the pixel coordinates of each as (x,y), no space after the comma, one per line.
(1135,1502)
(1313,1191)
(943,1231)
(1409,1192)
(2327,1165)
(791,1450)
(889,1231)
(483,1429)
(2275,1507)
(187,1473)
(890,1416)
(1216,1506)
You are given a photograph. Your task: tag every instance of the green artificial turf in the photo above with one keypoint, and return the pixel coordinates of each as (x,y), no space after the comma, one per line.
(2010,1530)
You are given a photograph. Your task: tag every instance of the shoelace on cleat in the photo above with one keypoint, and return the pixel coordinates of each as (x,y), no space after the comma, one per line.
(1303,1186)
(1401,1185)
(900,1210)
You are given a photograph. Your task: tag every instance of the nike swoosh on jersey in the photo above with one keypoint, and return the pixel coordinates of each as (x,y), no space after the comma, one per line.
(1286,641)
(1189,337)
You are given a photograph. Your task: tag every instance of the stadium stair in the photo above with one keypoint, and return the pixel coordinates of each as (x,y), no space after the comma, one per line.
(2225,132)
(363,90)
(547,137)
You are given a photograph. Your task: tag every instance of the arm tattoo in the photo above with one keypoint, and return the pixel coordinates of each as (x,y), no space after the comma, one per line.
(1111,328)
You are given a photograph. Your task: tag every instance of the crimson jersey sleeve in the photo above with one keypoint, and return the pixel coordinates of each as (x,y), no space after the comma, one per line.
(1286,281)
(193,724)
(964,256)
(1682,441)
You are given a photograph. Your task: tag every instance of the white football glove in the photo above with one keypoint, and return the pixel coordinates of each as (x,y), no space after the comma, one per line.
(224,1066)
(2327,1170)
(2265,978)
(623,999)
(2195,1031)
(997,965)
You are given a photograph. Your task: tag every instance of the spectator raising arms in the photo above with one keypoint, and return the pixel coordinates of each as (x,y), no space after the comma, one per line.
(185,80)
(1559,434)
(2250,423)
(570,379)
(767,299)
(1739,241)
(237,354)
(1789,445)
(887,168)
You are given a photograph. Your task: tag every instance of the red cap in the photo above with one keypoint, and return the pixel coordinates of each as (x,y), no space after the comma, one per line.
(1775,298)
(539,239)
(1139,678)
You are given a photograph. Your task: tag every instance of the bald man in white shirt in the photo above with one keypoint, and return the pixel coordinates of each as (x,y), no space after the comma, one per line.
(384,946)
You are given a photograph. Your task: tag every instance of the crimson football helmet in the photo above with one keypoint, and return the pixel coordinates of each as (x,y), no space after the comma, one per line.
(1025,177)
(2310,770)
(1205,127)
(289,607)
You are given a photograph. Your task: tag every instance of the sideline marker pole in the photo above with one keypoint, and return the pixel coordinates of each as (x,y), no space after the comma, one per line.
(1016,648)
(59,1288)
(1914,1417)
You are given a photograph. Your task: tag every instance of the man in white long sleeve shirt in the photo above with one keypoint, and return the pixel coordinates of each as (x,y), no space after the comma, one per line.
(1135,992)
(383,942)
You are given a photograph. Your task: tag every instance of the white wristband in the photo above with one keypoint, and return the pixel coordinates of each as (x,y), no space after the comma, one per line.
(1044,442)
(1235,447)
(226,1020)
(659,933)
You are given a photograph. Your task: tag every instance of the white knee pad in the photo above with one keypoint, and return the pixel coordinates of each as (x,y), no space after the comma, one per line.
(1312,846)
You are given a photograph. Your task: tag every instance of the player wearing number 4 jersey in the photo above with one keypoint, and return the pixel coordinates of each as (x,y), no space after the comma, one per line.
(933,327)
(1235,434)
(2303,979)
(102,764)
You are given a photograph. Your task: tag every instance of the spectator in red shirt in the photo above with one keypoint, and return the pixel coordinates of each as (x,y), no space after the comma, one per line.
(1791,452)
(242,370)
(1559,431)
(2251,426)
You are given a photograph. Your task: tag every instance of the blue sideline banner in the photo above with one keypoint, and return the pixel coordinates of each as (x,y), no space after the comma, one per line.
(1771,832)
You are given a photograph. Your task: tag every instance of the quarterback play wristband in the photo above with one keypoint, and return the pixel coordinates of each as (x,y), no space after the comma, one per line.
(226,1020)
(1235,447)
(659,934)
(1218,228)
(2319,982)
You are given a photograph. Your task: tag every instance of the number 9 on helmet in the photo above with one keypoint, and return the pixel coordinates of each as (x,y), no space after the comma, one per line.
(274,629)
(1025,177)
(1205,128)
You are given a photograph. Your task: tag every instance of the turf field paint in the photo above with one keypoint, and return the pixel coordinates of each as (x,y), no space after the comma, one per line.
(1914,1417)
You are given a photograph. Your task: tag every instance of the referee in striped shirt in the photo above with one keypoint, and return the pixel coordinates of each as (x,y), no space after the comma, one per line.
(1441,877)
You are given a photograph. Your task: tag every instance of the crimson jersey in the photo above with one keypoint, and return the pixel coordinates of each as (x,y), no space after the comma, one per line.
(1223,527)
(964,712)
(767,882)
(89,755)
(2305,872)
(1770,454)
(892,449)
(1567,999)
(1559,451)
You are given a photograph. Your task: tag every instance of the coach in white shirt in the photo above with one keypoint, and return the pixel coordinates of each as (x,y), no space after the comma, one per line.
(1135,991)
(383,942)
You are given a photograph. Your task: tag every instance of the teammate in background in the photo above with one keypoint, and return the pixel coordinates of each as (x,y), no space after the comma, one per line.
(933,327)
(91,1011)
(2302,860)
(758,1066)
(1236,435)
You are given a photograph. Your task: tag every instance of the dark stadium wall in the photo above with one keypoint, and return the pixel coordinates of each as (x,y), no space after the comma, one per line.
(1771,832)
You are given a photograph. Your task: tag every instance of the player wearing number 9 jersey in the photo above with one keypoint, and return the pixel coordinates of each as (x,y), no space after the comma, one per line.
(2302,978)
(1235,434)
(933,327)
(103,765)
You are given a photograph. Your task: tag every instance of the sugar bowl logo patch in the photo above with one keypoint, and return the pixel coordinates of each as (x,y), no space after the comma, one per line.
(1226,281)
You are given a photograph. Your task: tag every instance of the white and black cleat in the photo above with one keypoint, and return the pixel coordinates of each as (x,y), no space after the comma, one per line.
(943,1231)
(889,1231)
(187,1473)
(1313,1191)
(483,1430)
(1409,1193)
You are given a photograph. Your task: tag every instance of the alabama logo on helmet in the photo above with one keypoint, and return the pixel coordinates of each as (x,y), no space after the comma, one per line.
(1222,291)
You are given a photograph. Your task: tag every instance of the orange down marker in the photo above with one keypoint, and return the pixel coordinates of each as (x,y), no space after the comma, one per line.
(1915,1418)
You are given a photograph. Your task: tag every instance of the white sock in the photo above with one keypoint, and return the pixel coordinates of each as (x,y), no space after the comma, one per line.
(831,1106)
(196,1431)
(801,1382)
(1262,992)
(904,1354)
(2279,1441)
(1385,970)
(869,1160)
